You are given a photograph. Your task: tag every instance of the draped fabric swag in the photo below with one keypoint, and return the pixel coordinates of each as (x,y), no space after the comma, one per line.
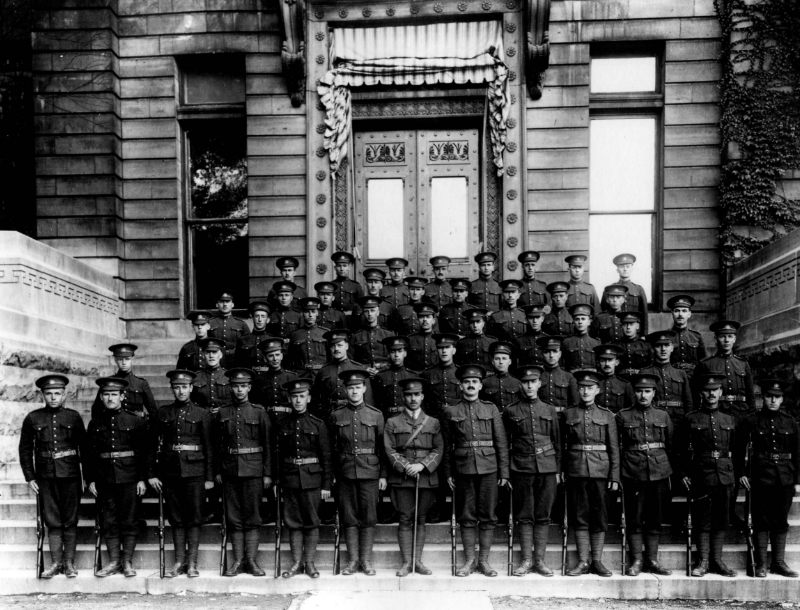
(414,55)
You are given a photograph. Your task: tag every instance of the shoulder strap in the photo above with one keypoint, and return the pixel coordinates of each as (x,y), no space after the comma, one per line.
(415,433)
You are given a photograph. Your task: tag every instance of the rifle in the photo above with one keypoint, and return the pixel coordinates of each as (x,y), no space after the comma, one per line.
(278,520)
(337,540)
(161,550)
(39,538)
(510,530)
(414,534)
(453,532)
(564,533)
(98,562)
(688,532)
(223,530)
(748,526)
(623,527)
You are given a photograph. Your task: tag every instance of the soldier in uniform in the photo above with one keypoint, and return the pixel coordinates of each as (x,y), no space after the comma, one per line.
(499,386)
(287,265)
(580,291)
(578,348)
(244,468)
(451,316)
(373,279)
(474,348)
(328,390)
(329,316)
(534,292)
(49,453)
(406,321)
(635,299)
(645,439)
(673,391)
(115,470)
(306,476)
(367,343)
(210,388)
(385,385)
(247,354)
(190,357)
(347,291)
(137,398)
(535,450)
(484,293)
(439,290)
(690,349)
(268,384)
(475,465)
(606,326)
(182,454)
(558,321)
(528,351)
(284,319)
(706,440)
(357,430)
(422,346)
(414,448)
(509,321)
(558,387)
(226,326)
(615,393)
(396,291)
(636,352)
(307,345)
(773,475)
(590,450)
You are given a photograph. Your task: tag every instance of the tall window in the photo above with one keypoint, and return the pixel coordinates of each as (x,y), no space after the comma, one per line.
(626,98)
(211,112)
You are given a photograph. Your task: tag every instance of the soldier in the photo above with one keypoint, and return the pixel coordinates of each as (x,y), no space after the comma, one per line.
(182,454)
(284,319)
(287,265)
(367,343)
(773,475)
(210,387)
(226,326)
(527,349)
(590,460)
(396,291)
(706,440)
(414,447)
(49,454)
(306,476)
(475,465)
(451,316)
(509,322)
(499,387)
(328,391)
(244,468)
(439,290)
(137,398)
(606,326)
(422,346)
(190,356)
(615,393)
(534,291)
(373,279)
(357,430)
(558,321)
(558,387)
(635,299)
(386,388)
(347,291)
(474,348)
(307,345)
(645,439)
(673,391)
(329,316)
(247,354)
(485,291)
(578,349)
(690,349)
(268,384)
(535,451)
(578,290)
(405,321)
(636,352)
(115,469)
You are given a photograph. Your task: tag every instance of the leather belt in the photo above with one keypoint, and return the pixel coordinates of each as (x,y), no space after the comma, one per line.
(775,456)
(361,452)
(417,453)
(180,448)
(338,402)
(471,444)
(280,409)
(669,403)
(117,454)
(394,409)
(588,448)
(733,398)
(243,450)
(685,366)
(560,409)
(301,461)
(537,451)
(58,454)
(716,454)
(630,371)
(314,367)
(646,446)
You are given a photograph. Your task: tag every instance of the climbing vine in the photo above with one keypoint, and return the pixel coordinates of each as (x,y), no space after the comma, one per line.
(760,122)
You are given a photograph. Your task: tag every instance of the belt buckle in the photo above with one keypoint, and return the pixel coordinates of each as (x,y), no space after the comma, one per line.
(716,454)
(297,461)
(644,447)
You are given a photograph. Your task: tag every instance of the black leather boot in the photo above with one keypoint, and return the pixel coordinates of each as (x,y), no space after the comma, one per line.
(56,541)
(651,543)
(760,546)
(779,565)
(351,540)
(128,547)
(366,539)
(193,550)
(251,553)
(468,535)
(238,565)
(700,567)
(310,541)
(635,541)
(296,548)
(419,567)
(179,545)
(716,565)
(582,545)
(598,540)
(113,566)
(485,539)
(526,548)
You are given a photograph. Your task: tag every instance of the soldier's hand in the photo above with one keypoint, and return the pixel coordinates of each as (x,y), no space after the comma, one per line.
(797,489)
(93,489)
(267,482)
(745,482)
(218,479)
(560,478)
(34,486)
(214,410)
(613,485)
(155,483)
(382,484)
(141,488)
(451,482)
(503,483)
(687,483)
(208,485)
(413,470)
(325,493)
(372,371)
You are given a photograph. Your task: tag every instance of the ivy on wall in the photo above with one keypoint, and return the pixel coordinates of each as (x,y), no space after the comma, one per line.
(760,122)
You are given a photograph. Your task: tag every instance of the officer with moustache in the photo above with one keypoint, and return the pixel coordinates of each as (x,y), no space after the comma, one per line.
(421,344)
(438,290)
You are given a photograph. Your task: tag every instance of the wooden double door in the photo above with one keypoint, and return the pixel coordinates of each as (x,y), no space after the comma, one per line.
(418,195)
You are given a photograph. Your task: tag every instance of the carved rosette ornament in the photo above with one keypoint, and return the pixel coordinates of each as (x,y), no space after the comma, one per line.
(321,152)
(322,268)
(511,27)
(321,245)
(538,46)
(438,7)
(512,194)
(320,59)
(486,5)
(321,175)
(511,51)
(322,198)
(391,11)
(511,170)
(321,222)
(512,218)
(367,12)
(512,265)
(343,13)
(293,49)
(512,242)
(462,6)
(321,128)
(511,147)
(320,36)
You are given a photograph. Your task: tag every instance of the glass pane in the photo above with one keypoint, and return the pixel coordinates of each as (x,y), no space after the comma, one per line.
(213,80)
(623,74)
(385,218)
(449,217)
(622,164)
(220,260)
(614,234)
(218,170)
